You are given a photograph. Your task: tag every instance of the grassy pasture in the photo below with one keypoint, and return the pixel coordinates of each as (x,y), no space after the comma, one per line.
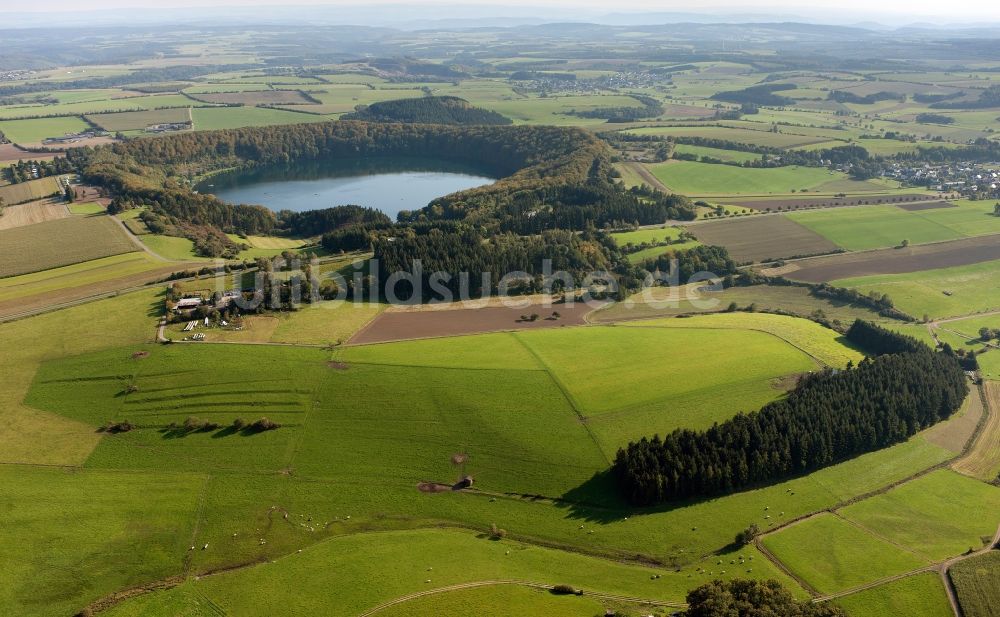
(256,97)
(211,118)
(823,344)
(31,190)
(691,178)
(977,583)
(878,226)
(735,156)
(405,560)
(139,120)
(23,249)
(72,537)
(939,515)
(34,131)
(920,594)
(652,235)
(706,381)
(970,289)
(86,209)
(831,554)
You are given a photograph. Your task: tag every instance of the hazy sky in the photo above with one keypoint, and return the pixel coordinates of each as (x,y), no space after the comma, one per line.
(968,11)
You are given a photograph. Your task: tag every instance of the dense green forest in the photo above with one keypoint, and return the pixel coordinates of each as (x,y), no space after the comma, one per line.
(428,110)
(830,416)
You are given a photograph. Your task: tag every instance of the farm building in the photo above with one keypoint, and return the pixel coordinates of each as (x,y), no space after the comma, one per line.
(187,303)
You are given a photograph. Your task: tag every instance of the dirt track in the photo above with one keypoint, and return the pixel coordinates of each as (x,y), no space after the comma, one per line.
(403,325)
(896,261)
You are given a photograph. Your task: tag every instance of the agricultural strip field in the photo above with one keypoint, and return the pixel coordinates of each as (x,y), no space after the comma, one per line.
(904,260)
(704,179)
(10,152)
(252,98)
(57,287)
(139,120)
(741,135)
(944,292)
(400,324)
(640,236)
(22,192)
(211,118)
(667,302)
(31,213)
(977,584)
(789,203)
(983,460)
(29,249)
(761,238)
(881,226)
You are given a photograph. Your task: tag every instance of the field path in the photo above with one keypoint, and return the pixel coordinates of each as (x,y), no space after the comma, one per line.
(135,239)
(648,176)
(530,584)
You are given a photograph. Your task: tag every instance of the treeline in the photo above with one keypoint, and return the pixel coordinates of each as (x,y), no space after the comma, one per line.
(990,97)
(23,171)
(428,110)
(530,160)
(927,118)
(980,151)
(651,108)
(486,260)
(842,96)
(830,416)
(761,95)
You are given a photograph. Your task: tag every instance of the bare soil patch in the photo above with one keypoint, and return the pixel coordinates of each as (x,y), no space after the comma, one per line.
(433,487)
(396,326)
(139,355)
(337,366)
(762,237)
(10,152)
(926,205)
(32,212)
(898,260)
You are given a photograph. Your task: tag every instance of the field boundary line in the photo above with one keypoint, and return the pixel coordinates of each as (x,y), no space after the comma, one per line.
(566,393)
(492,583)
(780,565)
(814,358)
(875,534)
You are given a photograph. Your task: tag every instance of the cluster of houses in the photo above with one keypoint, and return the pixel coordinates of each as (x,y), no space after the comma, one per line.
(188,304)
(967,179)
(70,138)
(15,75)
(616,81)
(168,127)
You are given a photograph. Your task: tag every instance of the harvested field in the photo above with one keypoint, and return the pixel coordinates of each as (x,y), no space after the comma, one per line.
(139,120)
(955,434)
(254,97)
(824,202)
(23,192)
(32,212)
(926,205)
(896,261)
(34,248)
(10,152)
(762,237)
(395,326)
(983,461)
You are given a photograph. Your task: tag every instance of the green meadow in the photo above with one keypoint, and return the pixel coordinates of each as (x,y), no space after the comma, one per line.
(920,594)
(944,292)
(691,178)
